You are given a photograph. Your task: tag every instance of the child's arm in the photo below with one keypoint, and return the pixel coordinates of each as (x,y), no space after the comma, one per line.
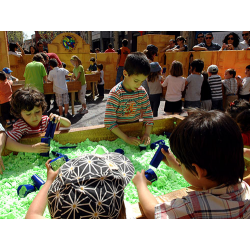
(146,137)
(45,79)
(2,144)
(171,161)
(130,140)
(64,122)
(147,200)
(78,76)
(38,205)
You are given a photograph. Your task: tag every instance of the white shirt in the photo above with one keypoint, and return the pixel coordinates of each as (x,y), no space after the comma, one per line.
(57,75)
(243,45)
(244,90)
(18,54)
(102,78)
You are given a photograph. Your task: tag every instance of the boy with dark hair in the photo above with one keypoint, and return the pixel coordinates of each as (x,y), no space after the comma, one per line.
(109,48)
(193,85)
(128,101)
(215,83)
(60,87)
(244,84)
(122,55)
(209,154)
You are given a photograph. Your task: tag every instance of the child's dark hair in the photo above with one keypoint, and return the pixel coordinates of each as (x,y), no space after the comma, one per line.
(92,59)
(213,141)
(64,65)
(12,47)
(181,38)
(110,45)
(248,67)
(153,76)
(125,42)
(176,69)
(205,76)
(149,54)
(137,63)
(45,56)
(237,107)
(231,72)
(197,65)
(26,99)
(53,63)
(100,66)
(243,120)
(2,76)
(37,57)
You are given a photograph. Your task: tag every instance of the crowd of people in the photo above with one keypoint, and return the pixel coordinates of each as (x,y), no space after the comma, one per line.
(206,147)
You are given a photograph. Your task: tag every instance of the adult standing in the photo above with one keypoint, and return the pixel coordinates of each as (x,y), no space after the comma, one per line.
(35,73)
(230,42)
(244,44)
(109,48)
(208,45)
(122,55)
(39,46)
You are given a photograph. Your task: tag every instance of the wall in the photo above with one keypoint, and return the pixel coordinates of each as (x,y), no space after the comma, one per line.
(4,62)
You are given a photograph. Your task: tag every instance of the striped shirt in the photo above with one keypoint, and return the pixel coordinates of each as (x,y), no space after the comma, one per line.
(123,107)
(222,202)
(20,128)
(215,86)
(231,86)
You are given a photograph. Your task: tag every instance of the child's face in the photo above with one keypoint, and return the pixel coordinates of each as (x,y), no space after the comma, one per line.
(227,75)
(32,117)
(74,62)
(133,82)
(247,72)
(91,63)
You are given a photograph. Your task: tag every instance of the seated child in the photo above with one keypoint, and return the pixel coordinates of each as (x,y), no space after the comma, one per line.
(193,85)
(28,104)
(215,83)
(211,159)
(244,83)
(86,198)
(128,100)
(60,87)
(100,84)
(9,76)
(230,85)
(206,98)
(5,97)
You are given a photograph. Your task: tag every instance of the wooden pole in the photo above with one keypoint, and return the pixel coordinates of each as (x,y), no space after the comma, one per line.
(4,55)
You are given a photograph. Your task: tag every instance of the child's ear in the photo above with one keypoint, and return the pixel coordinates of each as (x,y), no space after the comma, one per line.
(125,73)
(200,171)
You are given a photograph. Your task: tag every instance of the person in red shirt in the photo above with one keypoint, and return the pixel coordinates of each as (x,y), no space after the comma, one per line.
(122,55)
(109,49)
(243,121)
(5,97)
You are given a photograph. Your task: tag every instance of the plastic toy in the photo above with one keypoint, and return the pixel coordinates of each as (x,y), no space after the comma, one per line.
(158,155)
(38,182)
(151,175)
(120,151)
(142,147)
(24,190)
(66,147)
(167,134)
(154,144)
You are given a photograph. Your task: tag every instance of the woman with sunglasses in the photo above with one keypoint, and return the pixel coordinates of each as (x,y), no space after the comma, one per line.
(231,42)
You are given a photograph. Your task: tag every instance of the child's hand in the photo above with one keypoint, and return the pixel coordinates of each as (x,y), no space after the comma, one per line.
(57,117)
(40,147)
(140,179)
(51,174)
(145,139)
(133,141)
(170,159)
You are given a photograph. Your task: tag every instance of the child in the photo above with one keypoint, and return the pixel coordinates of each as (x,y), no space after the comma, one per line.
(193,85)
(215,83)
(92,66)
(28,104)
(155,88)
(78,73)
(128,100)
(210,158)
(64,65)
(236,107)
(175,84)
(60,87)
(244,92)
(79,190)
(100,84)
(230,85)
(206,98)
(5,97)
(9,76)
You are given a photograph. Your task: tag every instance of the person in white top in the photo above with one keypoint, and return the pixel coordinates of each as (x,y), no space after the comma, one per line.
(244,44)
(13,50)
(175,84)
(100,84)
(244,84)
(57,76)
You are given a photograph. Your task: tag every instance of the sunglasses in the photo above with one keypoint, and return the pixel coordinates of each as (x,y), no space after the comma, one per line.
(230,38)
(246,34)
(208,37)
(200,36)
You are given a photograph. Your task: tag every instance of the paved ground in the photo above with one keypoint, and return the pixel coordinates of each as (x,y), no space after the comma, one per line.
(95,116)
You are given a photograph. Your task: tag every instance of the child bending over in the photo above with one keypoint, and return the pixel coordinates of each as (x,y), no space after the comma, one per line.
(28,104)
(209,154)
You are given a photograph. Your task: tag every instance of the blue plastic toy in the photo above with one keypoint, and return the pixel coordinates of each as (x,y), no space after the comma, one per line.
(167,134)
(24,190)
(59,155)
(158,155)
(38,182)
(154,144)
(66,147)
(151,175)
(142,147)
(120,151)
(49,135)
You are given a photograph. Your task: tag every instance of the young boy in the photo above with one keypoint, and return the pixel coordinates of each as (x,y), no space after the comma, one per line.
(128,100)
(215,83)
(231,86)
(244,83)
(9,76)
(92,66)
(122,55)
(28,104)
(100,84)
(193,85)
(60,87)
(211,159)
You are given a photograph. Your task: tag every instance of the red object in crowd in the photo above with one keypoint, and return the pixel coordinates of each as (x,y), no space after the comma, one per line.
(141,32)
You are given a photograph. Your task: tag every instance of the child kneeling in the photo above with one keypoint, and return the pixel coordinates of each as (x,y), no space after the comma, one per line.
(209,154)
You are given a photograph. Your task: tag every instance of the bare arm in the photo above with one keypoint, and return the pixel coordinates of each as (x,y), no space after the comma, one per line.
(45,79)
(2,144)
(199,48)
(78,76)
